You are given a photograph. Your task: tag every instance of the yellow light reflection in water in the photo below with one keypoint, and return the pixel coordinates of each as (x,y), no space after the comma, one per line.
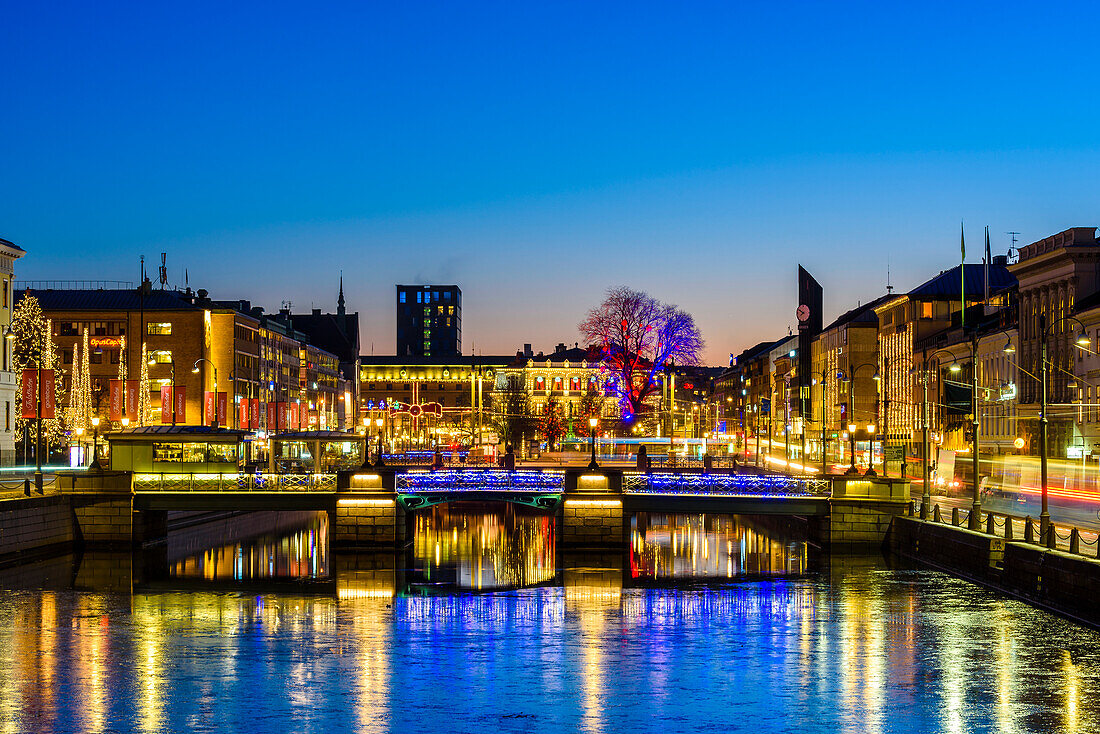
(710,546)
(485,549)
(301,554)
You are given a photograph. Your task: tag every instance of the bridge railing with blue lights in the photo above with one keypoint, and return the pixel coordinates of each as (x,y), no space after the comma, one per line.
(480,480)
(724,485)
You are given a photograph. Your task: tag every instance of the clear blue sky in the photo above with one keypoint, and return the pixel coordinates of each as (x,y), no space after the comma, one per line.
(536,154)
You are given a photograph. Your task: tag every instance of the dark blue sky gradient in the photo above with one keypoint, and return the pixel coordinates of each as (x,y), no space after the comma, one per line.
(536,154)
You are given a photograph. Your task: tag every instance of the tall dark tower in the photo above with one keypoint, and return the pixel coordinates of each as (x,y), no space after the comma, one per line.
(340,299)
(809,326)
(429,320)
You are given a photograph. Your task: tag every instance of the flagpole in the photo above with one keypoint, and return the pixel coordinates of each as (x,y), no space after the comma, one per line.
(962,276)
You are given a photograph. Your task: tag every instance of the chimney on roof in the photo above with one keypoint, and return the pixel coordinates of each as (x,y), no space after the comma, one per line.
(1001,260)
(316,312)
(527,350)
(560,348)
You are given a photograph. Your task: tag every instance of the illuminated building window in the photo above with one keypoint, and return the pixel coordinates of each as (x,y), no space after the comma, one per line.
(163,328)
(161,356)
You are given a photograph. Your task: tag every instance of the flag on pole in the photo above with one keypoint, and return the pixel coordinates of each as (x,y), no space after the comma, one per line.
(962,276)
(988,262)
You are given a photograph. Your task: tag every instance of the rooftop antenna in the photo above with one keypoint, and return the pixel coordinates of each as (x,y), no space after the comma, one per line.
(1015,237)
(163,270)
(889,288)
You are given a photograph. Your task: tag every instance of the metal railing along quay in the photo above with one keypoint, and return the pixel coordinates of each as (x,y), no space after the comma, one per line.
(1018,528)
(244,482)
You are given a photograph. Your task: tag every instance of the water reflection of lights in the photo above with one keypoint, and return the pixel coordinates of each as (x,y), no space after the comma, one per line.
(300,554)
(709,546)
(506,547)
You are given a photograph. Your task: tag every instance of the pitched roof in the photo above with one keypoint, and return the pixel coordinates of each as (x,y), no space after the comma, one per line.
(11,245)
(325,331)
(946,284)
(864,314)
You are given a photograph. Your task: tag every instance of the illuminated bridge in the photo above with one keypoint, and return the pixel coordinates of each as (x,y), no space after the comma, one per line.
(369,506)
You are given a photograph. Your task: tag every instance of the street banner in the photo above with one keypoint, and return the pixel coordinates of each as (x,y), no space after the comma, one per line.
(271,422)
(208,407)
(281,415)
(115,395)
(181,403)
(242,415)
(295,416)
(165,404)
(49,396)
(223,408)
(133,390)
(254,413)
(28,390)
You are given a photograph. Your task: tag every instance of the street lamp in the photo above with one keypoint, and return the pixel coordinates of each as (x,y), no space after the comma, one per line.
(95,445)
(852,471)
(592,423)
(195,370)
(871,442)
(1081,341)
(852,371)
(378,462)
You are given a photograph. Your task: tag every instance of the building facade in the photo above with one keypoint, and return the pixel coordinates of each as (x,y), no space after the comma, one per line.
(9,253)
(429,321)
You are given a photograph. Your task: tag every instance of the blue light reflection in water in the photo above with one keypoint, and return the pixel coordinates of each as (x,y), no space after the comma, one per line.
(854,647)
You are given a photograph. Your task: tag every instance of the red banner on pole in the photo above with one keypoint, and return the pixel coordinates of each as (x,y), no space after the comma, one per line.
(271,421)
(116,393)
(166,404)
(281,411)
(49,397)
(295,417)
(133,388)
(254,413)
(28,391)
(242,415)
(181,403)
(223,409)
(208,407)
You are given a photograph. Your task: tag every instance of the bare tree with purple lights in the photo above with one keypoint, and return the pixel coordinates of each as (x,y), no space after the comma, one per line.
(638,335)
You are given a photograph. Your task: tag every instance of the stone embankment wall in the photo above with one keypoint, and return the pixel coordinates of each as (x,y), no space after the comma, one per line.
(1059,581)
(34,526)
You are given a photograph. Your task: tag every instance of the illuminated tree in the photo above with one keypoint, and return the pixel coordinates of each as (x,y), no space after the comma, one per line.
(143,388)
(637,336)
(591,405)
(552,423)
(512,414)
(32,344)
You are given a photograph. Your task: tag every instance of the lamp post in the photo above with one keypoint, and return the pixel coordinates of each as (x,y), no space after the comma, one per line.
(852,371)
(593,422)
(824,444)
(95,445)
(852,471)
(1081,341)
(871,451)
(378,462)
(195,370)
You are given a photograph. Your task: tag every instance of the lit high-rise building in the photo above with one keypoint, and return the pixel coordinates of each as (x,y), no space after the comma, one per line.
(429,320)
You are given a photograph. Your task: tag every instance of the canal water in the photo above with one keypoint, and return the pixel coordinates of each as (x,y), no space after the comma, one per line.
(705,623)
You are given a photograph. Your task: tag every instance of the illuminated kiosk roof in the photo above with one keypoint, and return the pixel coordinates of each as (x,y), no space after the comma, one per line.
(177,434)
